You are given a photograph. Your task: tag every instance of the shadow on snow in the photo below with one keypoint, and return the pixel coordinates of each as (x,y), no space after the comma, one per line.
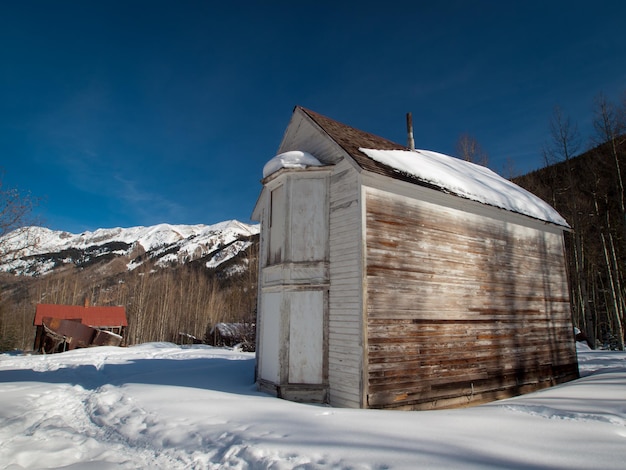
(223,375)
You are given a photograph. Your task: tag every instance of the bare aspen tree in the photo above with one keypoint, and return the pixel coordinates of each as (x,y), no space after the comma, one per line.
(610,126)
(15,236)
(140,308)
(509,169)
(565,143)
(15,215)
(468,149)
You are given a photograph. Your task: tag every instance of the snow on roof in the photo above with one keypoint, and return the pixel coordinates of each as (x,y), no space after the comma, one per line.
(291,159)
(468,180)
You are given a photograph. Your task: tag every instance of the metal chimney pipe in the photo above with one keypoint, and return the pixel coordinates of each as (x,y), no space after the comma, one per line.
(409,130)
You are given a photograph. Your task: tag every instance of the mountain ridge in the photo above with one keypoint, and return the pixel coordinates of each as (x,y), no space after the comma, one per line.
(164,244)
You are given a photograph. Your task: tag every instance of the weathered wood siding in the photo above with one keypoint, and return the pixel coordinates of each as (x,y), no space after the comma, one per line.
(461,307)
(345,346)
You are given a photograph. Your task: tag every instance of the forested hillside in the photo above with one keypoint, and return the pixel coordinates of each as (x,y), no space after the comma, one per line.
(588,190)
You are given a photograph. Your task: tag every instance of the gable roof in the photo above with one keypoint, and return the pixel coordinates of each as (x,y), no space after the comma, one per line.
(434,170)
(90,316)
(351,139)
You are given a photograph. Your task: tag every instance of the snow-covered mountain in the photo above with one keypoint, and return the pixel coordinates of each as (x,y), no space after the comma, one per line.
(47,250)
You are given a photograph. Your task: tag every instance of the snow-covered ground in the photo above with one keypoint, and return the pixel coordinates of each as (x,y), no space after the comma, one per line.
(162,406)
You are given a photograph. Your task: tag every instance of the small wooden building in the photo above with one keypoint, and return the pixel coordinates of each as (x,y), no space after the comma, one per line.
(396,278)
(55,319)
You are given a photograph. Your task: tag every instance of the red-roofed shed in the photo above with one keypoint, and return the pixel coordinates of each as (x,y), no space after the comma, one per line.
(111,319)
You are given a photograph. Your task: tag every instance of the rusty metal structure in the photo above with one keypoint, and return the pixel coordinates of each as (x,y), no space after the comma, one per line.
(63,335)
(65,327)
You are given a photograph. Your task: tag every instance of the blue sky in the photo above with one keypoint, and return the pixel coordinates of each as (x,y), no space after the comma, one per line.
(125,113)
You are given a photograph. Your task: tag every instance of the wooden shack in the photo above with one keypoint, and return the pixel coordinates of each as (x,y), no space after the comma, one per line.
(408,279)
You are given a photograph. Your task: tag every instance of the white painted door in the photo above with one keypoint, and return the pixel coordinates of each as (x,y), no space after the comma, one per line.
(306,337)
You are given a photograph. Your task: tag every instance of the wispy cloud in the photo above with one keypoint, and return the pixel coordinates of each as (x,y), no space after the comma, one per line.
(148,205)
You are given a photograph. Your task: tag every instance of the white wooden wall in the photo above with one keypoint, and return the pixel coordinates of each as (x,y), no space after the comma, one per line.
(345,345)
(269,335)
